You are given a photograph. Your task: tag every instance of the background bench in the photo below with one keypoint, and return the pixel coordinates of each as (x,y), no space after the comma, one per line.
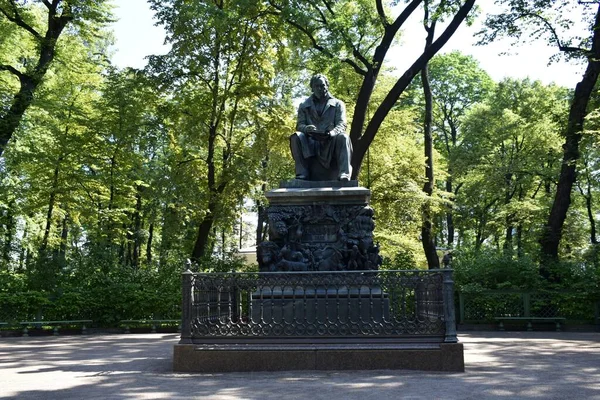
(55,325)
(153,323)
(557,321)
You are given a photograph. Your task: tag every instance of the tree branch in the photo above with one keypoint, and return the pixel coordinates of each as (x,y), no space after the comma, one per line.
(549,26)
(16,18)
(329,8)
(189,160)
(323,17)
(381,12)
(314,42)
(407,77)
(12,70)
(401,19)
(322,49)
(355,52)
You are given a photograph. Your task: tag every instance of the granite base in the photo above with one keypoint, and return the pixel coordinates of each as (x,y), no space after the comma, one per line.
(447,357)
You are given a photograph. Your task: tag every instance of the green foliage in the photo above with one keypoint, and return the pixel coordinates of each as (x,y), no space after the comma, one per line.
(551,21)
(228,263)
(105,298)
(476,271)
(116,177)
(510,148)
(403,259)
(225,110)
(487,270)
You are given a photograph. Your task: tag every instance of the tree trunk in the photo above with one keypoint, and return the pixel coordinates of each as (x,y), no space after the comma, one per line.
(427,237)
(590,213)
(588,203)
(223,244)
(508,236)
(170,225)
(449,213)
(23,251)
(478,235)
(260,211)
(149,244)
(204,230)
(260,208)
(51,202)
(8,235)
(60,255)
(552,232)
(520,251)
(137,227)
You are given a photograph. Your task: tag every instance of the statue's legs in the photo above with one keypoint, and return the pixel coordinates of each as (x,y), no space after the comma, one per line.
(301,164)
(343,152)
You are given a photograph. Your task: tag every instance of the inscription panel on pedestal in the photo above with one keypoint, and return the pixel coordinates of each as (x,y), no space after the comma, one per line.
(320,233)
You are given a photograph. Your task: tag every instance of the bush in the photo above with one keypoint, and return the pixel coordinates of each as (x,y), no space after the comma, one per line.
(486,270)
(491,271)
(103,293)
(403,259)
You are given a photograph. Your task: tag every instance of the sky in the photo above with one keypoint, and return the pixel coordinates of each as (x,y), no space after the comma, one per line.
(137,37)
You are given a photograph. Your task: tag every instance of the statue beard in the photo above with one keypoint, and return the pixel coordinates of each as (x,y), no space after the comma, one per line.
(323,97)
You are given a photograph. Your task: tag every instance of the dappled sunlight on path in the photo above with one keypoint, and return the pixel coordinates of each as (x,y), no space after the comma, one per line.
(499,365)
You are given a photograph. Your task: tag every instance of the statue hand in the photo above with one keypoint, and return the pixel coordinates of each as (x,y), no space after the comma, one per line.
(321,136)
(310,128)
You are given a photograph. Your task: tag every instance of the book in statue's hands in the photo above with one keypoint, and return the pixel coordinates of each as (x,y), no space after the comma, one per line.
(319,135)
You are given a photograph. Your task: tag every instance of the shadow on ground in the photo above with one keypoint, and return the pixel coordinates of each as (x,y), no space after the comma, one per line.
(500,365)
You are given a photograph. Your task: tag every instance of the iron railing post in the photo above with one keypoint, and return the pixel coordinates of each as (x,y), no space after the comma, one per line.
(527,304)
(187,278)
(449,313)
(597,315)
(461,307)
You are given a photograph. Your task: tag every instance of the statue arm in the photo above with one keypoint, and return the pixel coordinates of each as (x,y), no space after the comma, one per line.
(301,121)
(339,122)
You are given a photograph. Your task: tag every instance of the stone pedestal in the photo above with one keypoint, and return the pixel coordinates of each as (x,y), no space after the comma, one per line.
(319,226)
(364,355)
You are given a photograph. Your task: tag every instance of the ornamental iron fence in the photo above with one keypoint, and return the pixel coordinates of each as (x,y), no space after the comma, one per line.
(407,305)
(487,306)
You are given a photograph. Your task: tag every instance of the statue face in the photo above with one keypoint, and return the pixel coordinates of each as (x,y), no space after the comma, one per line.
(266,257)
(320,88)
(281,228)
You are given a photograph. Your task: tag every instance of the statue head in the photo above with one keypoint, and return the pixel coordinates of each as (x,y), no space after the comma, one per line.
(319,85)
(280,229)
(267,255)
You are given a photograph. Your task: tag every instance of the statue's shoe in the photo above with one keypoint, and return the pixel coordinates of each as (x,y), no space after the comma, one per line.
(344,177)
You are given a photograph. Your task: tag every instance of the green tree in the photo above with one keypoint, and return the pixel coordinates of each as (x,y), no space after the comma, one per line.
(552,21)
(498,163)
(457,83)
(220,70)
(118,179)
(85,16)
(46,159)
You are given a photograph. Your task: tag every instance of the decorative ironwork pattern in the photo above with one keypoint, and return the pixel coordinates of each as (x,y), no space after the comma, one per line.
(488,305)
(369,304)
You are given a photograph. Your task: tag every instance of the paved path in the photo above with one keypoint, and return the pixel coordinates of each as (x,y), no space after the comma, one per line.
(500,365)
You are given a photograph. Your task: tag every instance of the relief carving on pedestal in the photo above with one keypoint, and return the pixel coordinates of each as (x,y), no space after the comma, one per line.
(320,237)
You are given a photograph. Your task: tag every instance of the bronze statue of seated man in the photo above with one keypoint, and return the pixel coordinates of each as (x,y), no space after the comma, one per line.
(320,146)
